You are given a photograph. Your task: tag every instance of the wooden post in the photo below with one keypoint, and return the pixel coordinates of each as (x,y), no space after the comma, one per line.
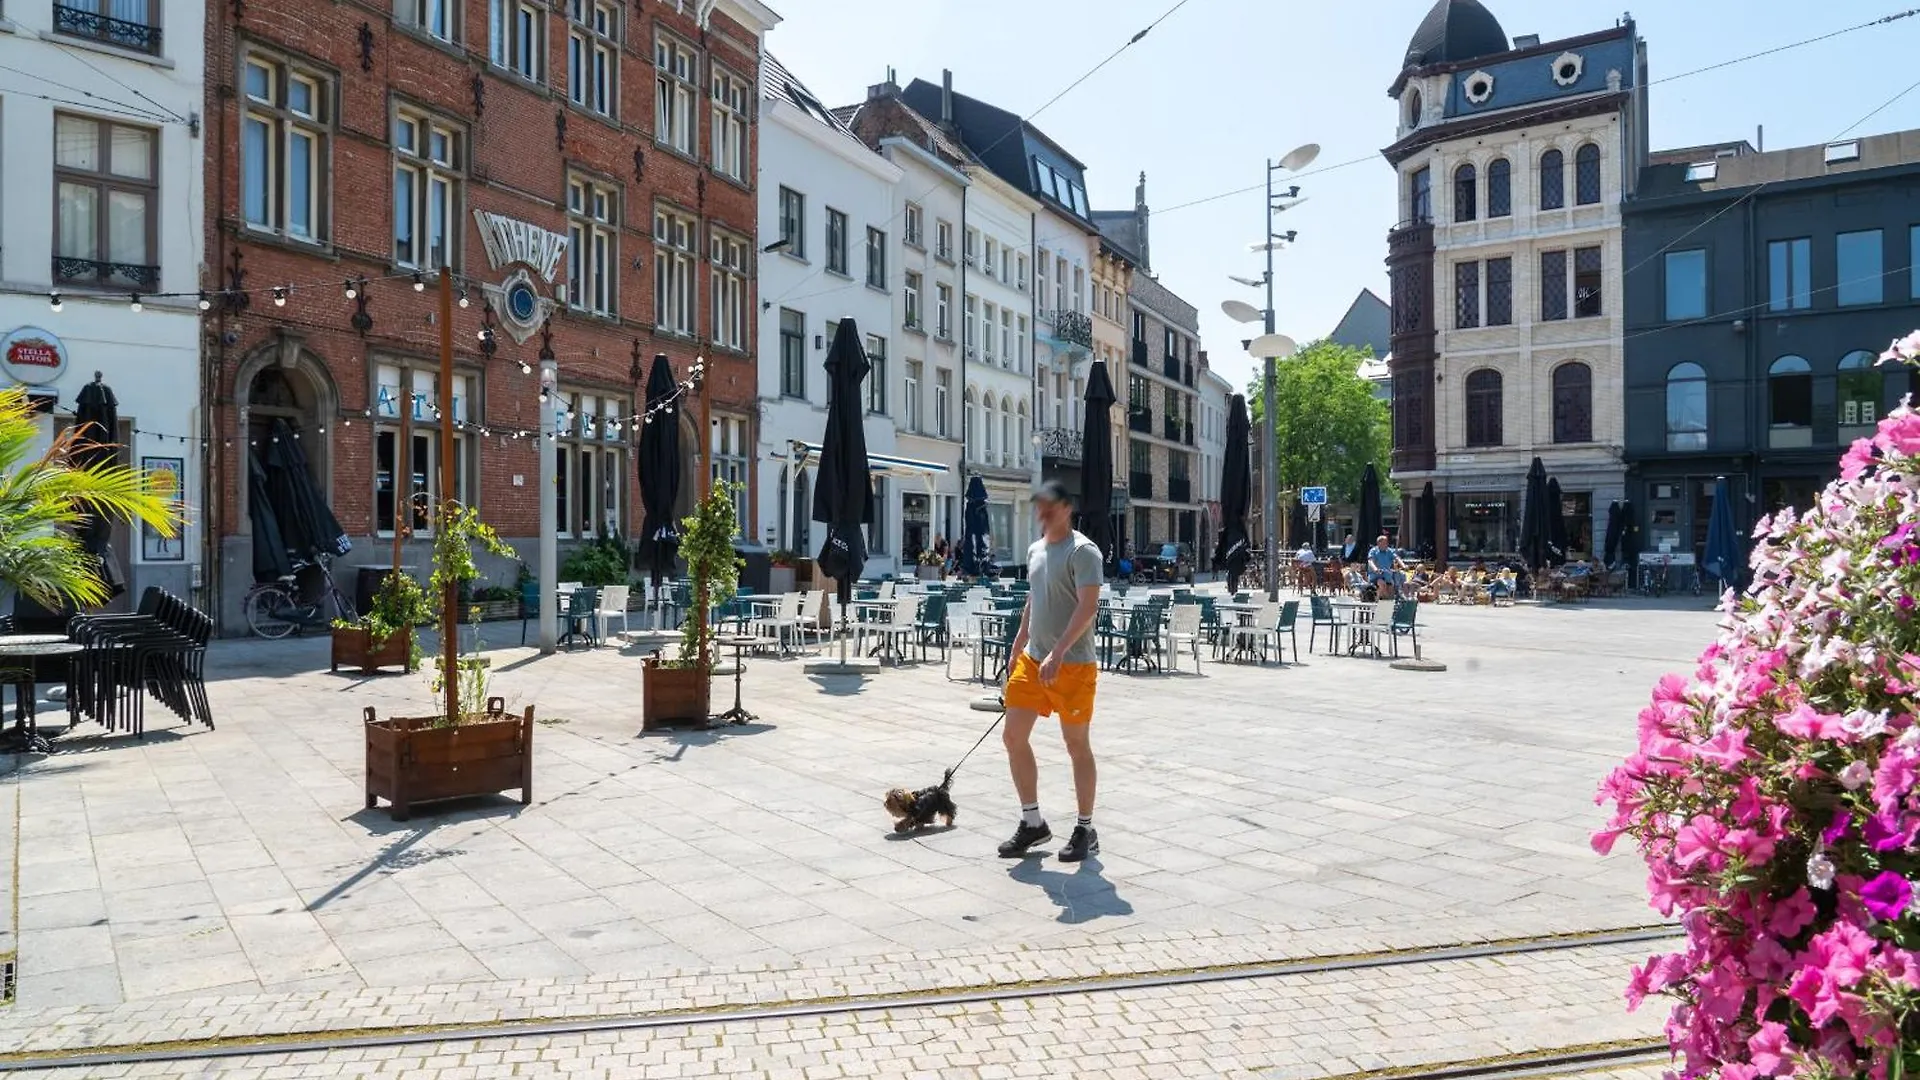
(449,595)
(704,486)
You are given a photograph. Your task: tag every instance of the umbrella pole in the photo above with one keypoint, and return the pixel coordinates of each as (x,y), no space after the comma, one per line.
(449,596)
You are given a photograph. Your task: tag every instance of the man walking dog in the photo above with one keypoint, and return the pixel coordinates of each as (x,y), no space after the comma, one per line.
(1053,671)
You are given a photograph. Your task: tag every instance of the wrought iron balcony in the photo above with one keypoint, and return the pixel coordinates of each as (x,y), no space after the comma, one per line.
(1140,353)
(1141,485)
(1170,367)
(1169,429)
(91,24)
(1073,327)
(93,272)
(1179,490)
(1062,444)
(1140,419)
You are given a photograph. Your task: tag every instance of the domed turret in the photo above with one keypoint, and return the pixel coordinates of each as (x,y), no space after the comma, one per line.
(1453,31)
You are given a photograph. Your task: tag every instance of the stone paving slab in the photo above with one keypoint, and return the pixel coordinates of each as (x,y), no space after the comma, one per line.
(240,862)
(72,1028)
(1294,1028)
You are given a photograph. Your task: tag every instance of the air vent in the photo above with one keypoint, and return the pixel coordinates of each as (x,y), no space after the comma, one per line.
(1702,170)
(1843,151)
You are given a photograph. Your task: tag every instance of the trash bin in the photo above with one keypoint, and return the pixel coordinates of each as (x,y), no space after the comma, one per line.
(367,583)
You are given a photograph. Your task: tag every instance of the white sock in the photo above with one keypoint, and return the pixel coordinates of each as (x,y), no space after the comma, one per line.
(1030,815)
(1085,821)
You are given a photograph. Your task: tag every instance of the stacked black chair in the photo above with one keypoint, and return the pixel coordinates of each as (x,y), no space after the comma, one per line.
(160,650)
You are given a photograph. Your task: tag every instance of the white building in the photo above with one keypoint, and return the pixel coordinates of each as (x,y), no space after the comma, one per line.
(118,160)
(929,204)
(1215,393)
(996,319)
(828,202)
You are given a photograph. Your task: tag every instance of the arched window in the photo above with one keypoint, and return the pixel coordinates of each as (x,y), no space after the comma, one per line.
(1860,388)
(1573,403)
(1006,434)
(1790,402)
(1586,175)
(1484,408)
(1687,407)
(1499,188)
(1553,180)
(987,432)
(1466,193)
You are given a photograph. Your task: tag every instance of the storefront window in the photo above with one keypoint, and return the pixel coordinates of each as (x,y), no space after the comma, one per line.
(1576,509)
(423,444)
(1481,526)
(1000,531)
(590,464)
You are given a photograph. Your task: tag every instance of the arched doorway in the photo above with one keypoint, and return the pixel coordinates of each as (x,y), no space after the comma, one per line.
(284,381)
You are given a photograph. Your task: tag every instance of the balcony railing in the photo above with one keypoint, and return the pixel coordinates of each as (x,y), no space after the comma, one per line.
(1062,444)
(1073,327)
(1170,367)
(1170,429)
(1140,419)
(1179,490)
(93,272)
(1141,485)
(91,24)
(1140,353)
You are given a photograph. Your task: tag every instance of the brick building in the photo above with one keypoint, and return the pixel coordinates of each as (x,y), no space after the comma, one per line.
(587,171)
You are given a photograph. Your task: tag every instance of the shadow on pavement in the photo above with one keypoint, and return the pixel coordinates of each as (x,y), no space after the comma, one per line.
(1082,894)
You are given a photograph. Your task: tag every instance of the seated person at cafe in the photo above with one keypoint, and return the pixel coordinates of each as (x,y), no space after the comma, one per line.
(1384,567)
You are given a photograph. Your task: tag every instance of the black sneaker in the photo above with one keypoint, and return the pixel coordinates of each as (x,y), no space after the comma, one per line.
(1084,842)
(1024,838)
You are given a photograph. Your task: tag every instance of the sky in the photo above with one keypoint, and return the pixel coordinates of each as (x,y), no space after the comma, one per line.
(1220,86)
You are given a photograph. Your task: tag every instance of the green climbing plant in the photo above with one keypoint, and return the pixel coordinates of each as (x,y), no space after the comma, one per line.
(457,533)
(706,545)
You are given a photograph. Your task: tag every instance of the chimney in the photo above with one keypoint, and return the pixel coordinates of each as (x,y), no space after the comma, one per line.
(1140,218)
(946,98)
(882,90)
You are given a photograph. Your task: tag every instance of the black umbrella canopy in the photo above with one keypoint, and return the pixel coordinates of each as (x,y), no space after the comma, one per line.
(843,491)
(96,422)
(1366,523)
(1096,461)
(976,547)
(1610,551)
(658,463)
(1533,518)
(269,548)
(1298,528)
(1426,511)
(307,524)
(1629,534)
(1236,494)
(1556,524)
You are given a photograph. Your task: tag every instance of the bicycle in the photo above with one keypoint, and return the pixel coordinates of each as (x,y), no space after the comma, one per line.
(274,608)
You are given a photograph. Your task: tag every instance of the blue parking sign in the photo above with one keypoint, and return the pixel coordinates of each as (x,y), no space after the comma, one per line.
(1313,496)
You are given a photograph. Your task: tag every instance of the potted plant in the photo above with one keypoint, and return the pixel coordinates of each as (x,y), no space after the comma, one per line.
(495,602)
(782,579)
(930,566)
(479,749)
(387,635)
(677,691)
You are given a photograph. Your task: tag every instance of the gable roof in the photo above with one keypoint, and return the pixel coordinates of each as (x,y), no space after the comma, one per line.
(779,84)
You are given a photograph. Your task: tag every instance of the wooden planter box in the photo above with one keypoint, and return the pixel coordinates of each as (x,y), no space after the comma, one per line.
(782,580)
(491,610)
(674,696)
(411,761)
(928,573)
(353,648)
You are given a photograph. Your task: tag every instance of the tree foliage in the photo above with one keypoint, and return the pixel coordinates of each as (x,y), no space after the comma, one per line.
(1329,424)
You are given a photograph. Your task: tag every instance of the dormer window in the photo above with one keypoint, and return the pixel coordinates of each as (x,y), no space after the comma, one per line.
(1702,170)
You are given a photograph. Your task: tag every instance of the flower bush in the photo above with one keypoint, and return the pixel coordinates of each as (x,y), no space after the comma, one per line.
(1775,794)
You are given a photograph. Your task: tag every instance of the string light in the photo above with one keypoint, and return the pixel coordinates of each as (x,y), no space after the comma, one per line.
(525,368)
(206,302)
(419,282)
(463,297)
(133,303)
(352,292)
(53,301)
(279,296)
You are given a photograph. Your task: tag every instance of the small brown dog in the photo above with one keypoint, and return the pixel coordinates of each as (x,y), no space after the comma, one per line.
(913,810)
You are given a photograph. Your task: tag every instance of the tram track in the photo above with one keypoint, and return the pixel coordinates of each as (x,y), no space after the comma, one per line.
(361,1038)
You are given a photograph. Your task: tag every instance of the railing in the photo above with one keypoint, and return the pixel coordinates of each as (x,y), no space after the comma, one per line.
(1141,485)
(1170,367)
(105,273)
(1061,443)
(1179,490)
(1186,435)
(1140,353)
(1140,419)
(91,24)
(1170,429)
(1073,327)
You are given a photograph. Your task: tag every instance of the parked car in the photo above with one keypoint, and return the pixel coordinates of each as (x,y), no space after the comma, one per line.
(1169,562)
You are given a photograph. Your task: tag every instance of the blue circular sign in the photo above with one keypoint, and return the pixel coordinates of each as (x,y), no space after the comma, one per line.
(522,303)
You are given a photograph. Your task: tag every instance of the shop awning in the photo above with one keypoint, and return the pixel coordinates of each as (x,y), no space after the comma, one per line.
(801,453)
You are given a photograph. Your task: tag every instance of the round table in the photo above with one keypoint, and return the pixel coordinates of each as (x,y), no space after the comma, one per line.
(31,647)
(740,644)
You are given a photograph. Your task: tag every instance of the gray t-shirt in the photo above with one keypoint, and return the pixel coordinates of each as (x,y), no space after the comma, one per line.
(1057,573)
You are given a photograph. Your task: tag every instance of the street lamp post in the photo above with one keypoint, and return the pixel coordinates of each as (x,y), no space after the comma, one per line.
(1272,347)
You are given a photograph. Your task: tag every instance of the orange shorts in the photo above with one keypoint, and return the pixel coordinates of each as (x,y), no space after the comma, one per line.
(1070,695)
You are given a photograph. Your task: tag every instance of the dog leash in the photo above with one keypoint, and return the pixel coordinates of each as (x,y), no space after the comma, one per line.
(948,778)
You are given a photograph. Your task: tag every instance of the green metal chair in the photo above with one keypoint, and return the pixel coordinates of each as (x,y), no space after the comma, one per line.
(1405,612)
(1289,621)
(1321,609)
(579,618)
(930,627)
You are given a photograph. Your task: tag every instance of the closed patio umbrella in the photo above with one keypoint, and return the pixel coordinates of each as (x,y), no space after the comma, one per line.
(1533,518)
(1556,524)
(658,463)
(1424,511)
(96,422)
(1610,551)
(307,524)
(1298,529)
(1236,494)
(270,560)
(976,546)
(1096,462)
(1629,534)
(1366,522)
(1722,557)
(843,492)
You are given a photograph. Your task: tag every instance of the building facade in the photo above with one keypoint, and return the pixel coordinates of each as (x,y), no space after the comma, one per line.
(587,174)
(930,202)
(996,320)
(827,209)
(1506,267)
(119,165)
(1215,393)
(1766,287)
(1162,397)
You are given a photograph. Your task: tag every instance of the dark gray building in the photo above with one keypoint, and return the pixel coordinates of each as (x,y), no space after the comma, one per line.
(1760,290)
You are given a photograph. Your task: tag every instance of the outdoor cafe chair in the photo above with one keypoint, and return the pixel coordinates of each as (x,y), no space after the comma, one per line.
(613,605)
(931,625)
(780,625)
(993,652)
(1405,613)
(1289,620)
(1323,614)
(1184,631)
(580,617)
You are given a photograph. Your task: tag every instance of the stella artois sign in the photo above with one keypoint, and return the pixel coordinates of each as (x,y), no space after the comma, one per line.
(33,356)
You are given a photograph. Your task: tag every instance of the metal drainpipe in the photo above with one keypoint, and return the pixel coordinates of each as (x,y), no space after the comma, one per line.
(966,413)
(210,380)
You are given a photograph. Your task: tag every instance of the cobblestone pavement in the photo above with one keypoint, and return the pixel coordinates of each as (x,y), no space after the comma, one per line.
(231,877)
(1292,1028)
